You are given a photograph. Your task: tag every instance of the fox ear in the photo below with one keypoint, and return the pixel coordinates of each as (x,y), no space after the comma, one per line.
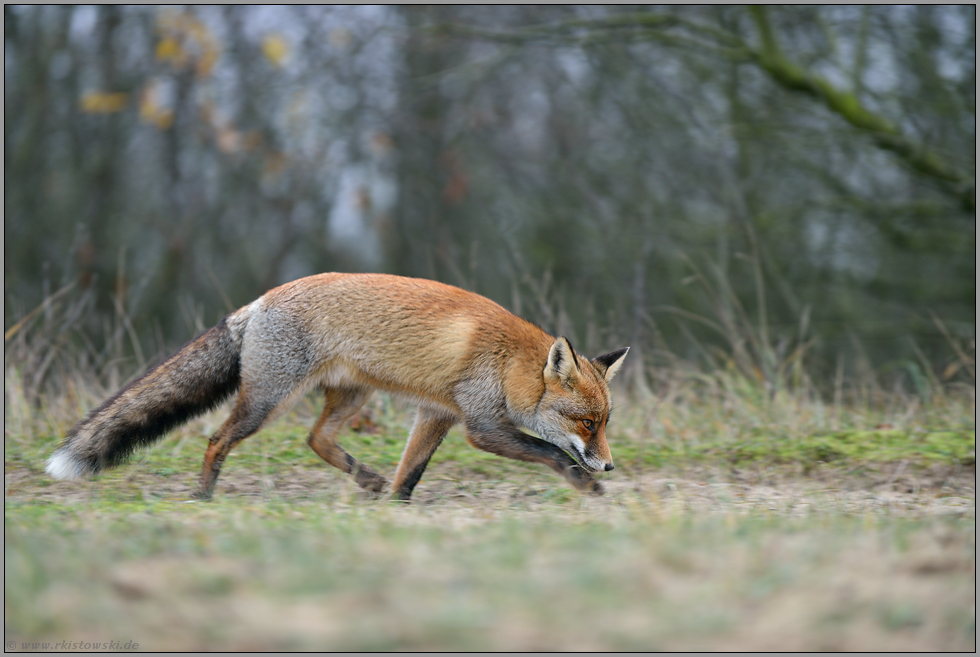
(609,364)
(561,366)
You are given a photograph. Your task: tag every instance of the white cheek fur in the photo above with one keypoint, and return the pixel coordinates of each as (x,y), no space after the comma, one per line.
(550,430)
(577,444)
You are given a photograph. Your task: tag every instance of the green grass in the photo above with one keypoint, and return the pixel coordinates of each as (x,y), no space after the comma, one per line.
(777,447)
(731,523)
(354,575)
(703,441)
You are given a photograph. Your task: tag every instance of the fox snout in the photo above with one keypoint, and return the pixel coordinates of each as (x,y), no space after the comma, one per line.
(594,467)
(595,463)
(606,467)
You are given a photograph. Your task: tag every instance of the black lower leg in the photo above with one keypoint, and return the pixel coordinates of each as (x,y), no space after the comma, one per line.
(365,477)
(404,492)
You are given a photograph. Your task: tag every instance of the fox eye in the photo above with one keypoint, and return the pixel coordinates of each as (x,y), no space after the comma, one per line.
(588,424)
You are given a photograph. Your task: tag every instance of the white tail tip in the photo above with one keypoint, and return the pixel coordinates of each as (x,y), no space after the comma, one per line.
(64,466)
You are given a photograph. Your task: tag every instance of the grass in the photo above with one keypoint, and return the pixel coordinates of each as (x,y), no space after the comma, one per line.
(247,574)
(723,529)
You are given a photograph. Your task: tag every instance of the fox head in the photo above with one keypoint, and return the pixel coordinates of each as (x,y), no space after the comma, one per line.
(575,407)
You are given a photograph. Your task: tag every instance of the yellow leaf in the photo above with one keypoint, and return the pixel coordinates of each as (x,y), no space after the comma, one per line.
(96,102)
(163,119)
(148,104)
(206,62)
(196,30)
(168,48)
(150,109)
(275,48)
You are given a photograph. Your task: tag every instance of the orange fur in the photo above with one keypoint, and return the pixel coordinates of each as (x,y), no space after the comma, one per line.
(461,356)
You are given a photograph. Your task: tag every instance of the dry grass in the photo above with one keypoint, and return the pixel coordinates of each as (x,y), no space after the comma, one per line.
(492,555)
(667,564)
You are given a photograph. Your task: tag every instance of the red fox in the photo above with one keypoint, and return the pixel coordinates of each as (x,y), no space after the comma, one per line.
(461,356)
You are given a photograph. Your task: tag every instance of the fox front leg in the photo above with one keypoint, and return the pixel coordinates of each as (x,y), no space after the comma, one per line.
(430,428)
(511,442)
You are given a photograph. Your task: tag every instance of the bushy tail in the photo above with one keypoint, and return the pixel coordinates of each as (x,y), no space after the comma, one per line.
(197,378)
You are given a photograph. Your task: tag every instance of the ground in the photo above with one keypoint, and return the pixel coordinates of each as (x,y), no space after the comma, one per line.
(722,552)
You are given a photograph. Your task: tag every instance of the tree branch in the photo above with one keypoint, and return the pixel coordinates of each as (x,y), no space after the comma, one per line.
(884,133)
(769,57)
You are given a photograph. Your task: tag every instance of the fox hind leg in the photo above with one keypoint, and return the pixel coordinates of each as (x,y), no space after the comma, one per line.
(339,404)
(245,419)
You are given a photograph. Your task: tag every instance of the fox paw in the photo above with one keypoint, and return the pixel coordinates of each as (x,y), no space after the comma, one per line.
(370,481)
(202,495)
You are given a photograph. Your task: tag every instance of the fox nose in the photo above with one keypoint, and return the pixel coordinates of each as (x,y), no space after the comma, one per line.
(610,466)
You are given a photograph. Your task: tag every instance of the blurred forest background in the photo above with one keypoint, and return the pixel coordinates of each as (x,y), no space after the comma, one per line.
(728,185)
